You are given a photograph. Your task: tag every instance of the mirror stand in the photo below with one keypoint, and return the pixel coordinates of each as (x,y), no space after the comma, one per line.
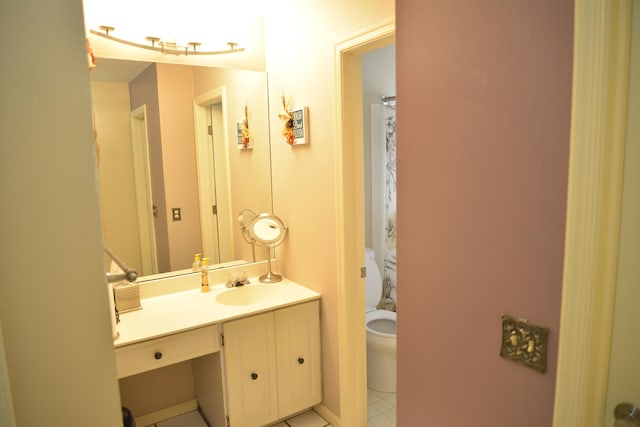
(265,230)
(269,277)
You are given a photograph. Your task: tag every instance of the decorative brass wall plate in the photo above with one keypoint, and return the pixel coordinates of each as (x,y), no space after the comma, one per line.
(524,342)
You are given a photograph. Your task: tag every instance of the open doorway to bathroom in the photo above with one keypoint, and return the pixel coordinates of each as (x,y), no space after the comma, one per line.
(379,139)
(379,149)
(350,217)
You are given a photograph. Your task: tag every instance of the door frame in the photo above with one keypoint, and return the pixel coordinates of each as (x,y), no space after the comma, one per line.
(349,162)
(598,121)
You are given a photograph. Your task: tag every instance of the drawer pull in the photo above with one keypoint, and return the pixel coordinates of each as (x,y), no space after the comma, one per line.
(157,355)
(300,360)
(254,376)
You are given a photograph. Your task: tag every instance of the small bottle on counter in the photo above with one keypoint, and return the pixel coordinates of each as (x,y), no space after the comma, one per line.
(204,270)
(197,264)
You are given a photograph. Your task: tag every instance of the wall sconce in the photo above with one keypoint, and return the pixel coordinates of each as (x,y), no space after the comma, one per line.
(167,47)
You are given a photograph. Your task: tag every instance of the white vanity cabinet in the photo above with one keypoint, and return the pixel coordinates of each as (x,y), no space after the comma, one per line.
(272,364)
(160,352)
(249,364)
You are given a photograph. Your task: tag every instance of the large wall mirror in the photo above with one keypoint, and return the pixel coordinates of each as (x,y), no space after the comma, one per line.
(172,176)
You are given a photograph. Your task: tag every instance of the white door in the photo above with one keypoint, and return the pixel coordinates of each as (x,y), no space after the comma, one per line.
(250,365)
(212,153)
(144,199)
(223,218)
(298,357)
(624,367)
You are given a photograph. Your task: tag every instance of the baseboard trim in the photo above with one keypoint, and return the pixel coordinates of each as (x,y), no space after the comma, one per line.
(166,413)
(328,415)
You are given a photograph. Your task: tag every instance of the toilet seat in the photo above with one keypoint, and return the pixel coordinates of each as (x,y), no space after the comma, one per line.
(380,331)
(381,323)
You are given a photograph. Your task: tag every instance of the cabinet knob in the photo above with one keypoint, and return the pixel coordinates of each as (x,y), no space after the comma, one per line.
(157,355)
(254,376)
(300,360)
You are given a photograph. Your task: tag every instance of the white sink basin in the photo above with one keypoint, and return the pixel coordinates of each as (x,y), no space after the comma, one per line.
(249,295)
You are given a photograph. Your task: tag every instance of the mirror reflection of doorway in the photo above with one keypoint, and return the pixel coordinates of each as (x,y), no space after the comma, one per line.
(146,211)
(214,184)
(220,246)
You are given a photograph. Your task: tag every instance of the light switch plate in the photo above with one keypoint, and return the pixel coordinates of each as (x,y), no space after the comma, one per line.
(176,214)
(525,343)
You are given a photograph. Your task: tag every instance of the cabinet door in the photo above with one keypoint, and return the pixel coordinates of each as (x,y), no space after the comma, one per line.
(251,371)
(298,356)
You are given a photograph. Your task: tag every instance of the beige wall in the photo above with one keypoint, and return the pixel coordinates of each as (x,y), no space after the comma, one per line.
(171,385)
(484,103)
(110,106)
(300,45)
(53,299)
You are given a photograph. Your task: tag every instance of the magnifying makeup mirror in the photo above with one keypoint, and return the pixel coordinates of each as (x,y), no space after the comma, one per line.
(244,219)
(269,231)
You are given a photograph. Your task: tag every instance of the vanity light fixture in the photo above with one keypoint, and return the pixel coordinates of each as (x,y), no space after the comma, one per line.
(167,47)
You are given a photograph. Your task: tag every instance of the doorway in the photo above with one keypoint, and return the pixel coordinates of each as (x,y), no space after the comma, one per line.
(379,140)
(350,217)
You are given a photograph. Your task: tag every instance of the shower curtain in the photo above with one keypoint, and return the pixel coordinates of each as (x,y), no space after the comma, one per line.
(388,301)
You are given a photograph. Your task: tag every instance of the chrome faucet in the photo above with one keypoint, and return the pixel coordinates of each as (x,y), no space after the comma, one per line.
(235,281)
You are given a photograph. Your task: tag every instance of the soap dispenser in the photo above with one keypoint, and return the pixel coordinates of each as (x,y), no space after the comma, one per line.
(197,264)
(204,270)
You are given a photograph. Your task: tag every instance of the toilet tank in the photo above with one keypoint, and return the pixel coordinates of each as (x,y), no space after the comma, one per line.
(373,280)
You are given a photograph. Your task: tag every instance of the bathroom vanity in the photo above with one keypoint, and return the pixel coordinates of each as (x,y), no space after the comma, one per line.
(253,352)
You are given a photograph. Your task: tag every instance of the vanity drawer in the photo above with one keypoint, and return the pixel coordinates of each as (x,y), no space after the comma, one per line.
(157,353)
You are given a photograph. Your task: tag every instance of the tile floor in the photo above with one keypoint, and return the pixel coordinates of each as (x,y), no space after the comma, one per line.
(308,419)
(381,411)
(190,419)
(194,419)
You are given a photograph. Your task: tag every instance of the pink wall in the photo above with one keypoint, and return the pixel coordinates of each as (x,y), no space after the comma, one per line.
(144,91)
(175,96)
(484,98)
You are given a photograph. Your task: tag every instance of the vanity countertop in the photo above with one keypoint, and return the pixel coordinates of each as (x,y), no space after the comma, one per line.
(189,309)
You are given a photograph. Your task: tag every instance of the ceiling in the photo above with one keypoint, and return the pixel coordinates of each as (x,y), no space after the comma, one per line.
(115,70)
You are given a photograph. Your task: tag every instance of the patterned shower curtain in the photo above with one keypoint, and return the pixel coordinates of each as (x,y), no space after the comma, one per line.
(389,272)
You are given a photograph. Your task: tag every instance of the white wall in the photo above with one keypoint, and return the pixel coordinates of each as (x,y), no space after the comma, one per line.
(53,299)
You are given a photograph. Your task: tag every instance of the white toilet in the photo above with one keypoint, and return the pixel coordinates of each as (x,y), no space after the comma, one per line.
(381,333)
